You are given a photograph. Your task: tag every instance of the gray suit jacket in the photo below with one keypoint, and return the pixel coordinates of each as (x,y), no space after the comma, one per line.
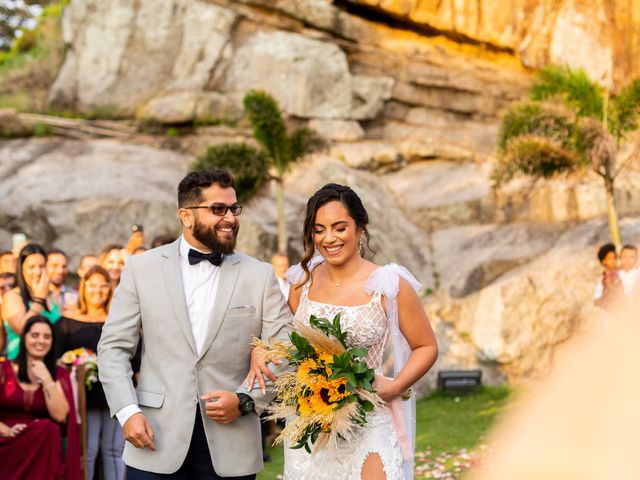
(173,376)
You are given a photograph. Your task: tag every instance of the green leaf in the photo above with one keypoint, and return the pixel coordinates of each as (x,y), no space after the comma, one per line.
(359,352)
(351,379)
(366,405)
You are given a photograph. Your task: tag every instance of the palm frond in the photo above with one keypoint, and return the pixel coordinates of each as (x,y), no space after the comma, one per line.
(596,146)
(268,124)
(625,110)
(535,156)
(552,121)
(303,141)
(248,165)
(573,86)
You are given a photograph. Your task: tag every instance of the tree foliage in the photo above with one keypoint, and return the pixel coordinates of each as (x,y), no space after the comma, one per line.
(249,165)
(18,16)
(569,124)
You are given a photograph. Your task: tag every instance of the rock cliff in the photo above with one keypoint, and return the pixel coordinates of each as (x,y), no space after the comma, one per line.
(409,95)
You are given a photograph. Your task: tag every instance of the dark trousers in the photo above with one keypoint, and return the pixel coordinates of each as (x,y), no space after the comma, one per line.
(197,465)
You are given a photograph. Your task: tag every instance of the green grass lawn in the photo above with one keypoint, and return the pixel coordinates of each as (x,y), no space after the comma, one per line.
(445,425)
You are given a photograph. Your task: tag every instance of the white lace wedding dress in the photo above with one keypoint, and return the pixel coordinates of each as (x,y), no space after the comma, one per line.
(367,326)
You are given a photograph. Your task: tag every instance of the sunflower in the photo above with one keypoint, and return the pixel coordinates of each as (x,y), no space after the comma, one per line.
(304,375)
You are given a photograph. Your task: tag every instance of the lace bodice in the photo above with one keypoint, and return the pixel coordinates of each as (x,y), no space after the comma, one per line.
(366,325)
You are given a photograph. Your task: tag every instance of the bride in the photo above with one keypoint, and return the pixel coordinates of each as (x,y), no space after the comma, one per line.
(375,303)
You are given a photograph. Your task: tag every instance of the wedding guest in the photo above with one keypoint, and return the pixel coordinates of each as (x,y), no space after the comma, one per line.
(628,268)
(280,264)
(7,262)
(86,262)
(609,289)
(3,342)
(164,239)
(36,402)
(112,258)
(7,282)
(82,329)
(57,271)
(29,298)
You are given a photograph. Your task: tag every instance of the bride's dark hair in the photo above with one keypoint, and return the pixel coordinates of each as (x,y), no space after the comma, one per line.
(332,192)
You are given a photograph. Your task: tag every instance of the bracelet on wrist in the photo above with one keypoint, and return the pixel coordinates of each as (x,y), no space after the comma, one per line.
(41,301)
(50,385)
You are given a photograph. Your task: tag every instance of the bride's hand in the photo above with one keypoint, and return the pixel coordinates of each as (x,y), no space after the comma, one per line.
(258,370)
(385,388)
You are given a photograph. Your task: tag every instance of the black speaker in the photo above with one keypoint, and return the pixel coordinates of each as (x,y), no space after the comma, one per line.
(459,381)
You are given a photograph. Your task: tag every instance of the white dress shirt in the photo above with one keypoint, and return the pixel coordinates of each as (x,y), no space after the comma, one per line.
(628,279)
(200,285)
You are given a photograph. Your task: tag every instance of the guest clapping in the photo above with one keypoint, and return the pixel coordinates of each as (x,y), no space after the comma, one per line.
(82,329)
(28,298)
(35,397)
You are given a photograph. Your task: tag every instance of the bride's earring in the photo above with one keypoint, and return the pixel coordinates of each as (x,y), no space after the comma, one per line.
(361,245)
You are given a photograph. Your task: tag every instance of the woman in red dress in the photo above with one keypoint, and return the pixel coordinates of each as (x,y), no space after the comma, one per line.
(37,411)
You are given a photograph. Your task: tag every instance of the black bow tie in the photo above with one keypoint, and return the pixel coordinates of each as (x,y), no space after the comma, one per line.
(195,257)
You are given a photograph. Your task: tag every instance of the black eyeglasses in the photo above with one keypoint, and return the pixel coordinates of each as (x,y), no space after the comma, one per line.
(220,209)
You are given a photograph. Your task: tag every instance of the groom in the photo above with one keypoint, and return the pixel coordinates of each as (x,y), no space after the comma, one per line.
(196,305)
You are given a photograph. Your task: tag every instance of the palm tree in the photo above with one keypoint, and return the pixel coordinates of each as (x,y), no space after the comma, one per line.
(570,124)
(277,151)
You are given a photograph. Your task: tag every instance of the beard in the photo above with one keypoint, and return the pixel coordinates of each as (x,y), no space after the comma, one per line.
(208,236)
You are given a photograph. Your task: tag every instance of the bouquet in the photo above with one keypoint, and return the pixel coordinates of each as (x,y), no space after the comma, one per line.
(86,357)
(327,396)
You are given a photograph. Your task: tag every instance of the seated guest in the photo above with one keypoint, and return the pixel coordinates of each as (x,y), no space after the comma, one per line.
(36,406)
(82,328)
(30,297)
(609,289)
(628,268)
(112,258)
(57,270)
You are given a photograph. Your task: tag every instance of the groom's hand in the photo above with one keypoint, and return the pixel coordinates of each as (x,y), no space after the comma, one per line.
(221,406)
(138,432)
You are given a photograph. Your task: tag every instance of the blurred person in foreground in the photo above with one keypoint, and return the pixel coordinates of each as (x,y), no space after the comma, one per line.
(609,289)
(82,329)
(583,421)
(36,406)
(199,303)
(29,298)
(8,263)
(57,267)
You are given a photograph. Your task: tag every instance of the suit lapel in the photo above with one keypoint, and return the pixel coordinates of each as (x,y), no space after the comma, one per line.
(173,281)
(229,271)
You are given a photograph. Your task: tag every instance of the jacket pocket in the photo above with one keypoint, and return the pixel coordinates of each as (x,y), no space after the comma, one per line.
(150,399)
(243,310)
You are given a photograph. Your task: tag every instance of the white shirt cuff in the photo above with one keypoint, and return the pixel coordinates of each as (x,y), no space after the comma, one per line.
(127,412)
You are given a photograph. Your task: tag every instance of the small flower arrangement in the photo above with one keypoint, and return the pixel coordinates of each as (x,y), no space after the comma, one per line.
(86,357)
(327,396)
